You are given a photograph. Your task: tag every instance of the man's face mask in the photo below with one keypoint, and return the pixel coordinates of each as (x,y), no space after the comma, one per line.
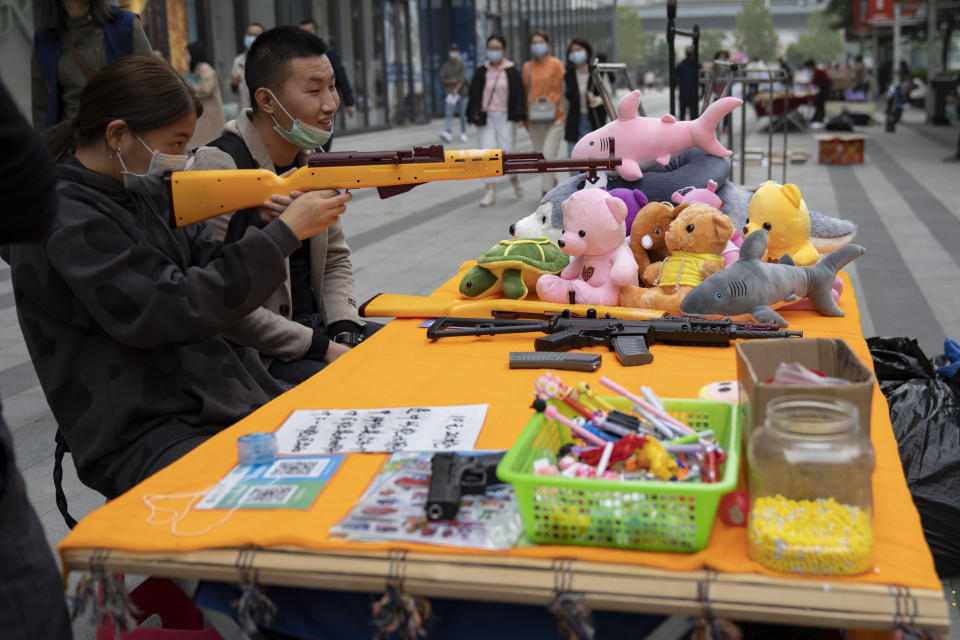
(301,134)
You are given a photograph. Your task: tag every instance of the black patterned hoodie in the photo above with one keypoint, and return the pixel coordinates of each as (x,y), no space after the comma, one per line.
(122,317)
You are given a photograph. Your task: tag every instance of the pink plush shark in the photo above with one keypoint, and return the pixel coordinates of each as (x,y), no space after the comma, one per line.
(643,141)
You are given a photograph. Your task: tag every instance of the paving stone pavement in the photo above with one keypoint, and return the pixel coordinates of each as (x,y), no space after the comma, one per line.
(903,198)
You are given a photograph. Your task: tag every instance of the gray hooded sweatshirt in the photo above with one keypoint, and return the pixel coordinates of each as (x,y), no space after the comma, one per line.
(122,317)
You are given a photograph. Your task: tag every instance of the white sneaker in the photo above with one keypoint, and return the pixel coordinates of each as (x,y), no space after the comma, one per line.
(489,199)
(446,135)
(463,137)
(517,187)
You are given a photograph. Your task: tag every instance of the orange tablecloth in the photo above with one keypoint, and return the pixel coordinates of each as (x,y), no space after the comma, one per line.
(401,367)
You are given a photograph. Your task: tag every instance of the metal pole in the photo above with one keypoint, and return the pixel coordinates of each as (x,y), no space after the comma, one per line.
(770,135)
(786,122)
(896,42)
(696,65)
(932,67)
(671,54)
(743,143)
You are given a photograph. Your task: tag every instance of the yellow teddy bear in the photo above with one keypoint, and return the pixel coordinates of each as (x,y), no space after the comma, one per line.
(780,210)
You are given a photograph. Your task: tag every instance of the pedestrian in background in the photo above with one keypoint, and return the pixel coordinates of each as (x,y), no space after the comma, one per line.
(496,106)
(202,78)
(688,82)
(347,99)
(583,102)
(237,83)
(453,76)
(823,83)
(73,39)
(543,83)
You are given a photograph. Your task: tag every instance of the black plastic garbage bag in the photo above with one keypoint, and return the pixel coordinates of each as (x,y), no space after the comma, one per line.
(925,412)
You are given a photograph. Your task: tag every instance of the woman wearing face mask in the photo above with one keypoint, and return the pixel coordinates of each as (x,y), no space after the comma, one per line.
(583,104)
(203,79)
(122,314)
(496,105)
(543,83)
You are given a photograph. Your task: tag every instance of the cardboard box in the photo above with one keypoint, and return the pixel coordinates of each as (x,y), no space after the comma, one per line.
(757,361)
(840,148)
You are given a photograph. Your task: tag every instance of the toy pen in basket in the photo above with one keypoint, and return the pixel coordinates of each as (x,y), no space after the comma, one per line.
(630,339)
(453,476)
(199,195)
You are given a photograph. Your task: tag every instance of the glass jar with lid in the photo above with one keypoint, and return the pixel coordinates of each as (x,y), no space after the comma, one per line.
(811,498)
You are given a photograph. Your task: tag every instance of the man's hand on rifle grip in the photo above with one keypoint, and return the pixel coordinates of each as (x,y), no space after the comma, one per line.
(277,203)
(314,211)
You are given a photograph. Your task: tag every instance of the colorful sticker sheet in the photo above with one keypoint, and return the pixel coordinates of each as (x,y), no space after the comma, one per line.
(393,509)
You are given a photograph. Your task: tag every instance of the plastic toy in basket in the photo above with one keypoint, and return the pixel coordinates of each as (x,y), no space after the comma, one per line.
(653,515)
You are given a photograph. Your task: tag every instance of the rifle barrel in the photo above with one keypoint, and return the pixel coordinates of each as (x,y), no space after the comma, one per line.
(765,334)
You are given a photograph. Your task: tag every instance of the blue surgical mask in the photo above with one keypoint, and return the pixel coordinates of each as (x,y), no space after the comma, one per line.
(150,183)
(494,55)
(301,134)
(248,41)
(454,55)
(577,57)
(539,49)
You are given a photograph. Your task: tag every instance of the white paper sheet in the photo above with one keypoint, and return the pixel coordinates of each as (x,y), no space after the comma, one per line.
(313,431)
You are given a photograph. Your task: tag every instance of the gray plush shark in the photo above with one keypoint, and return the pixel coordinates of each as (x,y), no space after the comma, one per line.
(752,286)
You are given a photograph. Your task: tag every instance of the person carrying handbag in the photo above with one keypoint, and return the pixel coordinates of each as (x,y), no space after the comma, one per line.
(496,105)
(543,83)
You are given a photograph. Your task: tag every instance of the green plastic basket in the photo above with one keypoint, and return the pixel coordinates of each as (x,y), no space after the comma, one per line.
(645,515)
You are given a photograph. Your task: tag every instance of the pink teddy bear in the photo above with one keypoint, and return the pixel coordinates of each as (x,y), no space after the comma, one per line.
(594,235)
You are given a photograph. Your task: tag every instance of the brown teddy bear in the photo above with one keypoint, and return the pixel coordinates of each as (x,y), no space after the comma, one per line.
(648,232)
(695,239)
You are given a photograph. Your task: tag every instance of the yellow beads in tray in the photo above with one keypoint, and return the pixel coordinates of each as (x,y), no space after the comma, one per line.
(815,537)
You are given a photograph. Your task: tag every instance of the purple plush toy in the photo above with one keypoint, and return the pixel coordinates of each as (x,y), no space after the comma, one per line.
(633,198)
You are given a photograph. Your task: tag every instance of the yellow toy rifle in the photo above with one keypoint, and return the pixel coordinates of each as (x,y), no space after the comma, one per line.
(199,195)
(388,305)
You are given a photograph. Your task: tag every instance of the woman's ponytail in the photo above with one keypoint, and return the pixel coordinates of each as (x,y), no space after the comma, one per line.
(61,139)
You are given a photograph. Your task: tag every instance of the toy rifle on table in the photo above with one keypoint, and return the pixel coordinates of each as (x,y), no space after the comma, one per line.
(199,195)
(391,305)
(630,339)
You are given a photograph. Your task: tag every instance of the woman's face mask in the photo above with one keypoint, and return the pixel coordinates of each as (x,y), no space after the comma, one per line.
(150,183)
(539,49)
(577,57)
(494,55)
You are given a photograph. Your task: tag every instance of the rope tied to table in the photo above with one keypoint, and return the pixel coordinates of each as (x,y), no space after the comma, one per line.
(707,626)
(906,610)
(105,594)
(254,608)
(397,611)
(574,618)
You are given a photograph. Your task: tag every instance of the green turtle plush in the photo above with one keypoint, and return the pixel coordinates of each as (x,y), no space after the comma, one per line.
(513,266)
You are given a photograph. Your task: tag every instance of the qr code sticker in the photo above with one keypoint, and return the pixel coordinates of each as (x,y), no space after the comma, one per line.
(271,494)
(296,469)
